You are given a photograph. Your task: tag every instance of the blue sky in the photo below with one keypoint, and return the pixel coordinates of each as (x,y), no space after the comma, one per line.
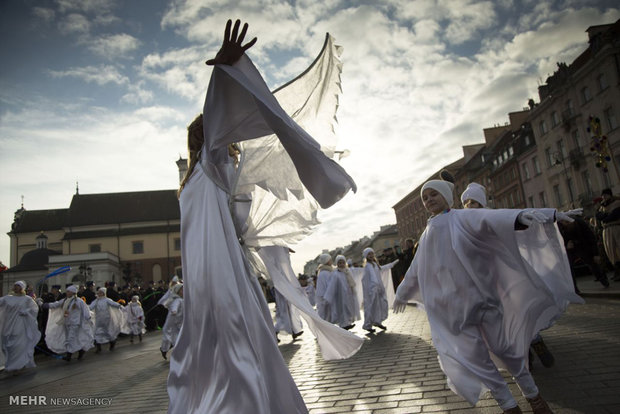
(101,91)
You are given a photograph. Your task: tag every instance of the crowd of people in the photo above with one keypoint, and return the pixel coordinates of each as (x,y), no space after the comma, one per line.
(60,323)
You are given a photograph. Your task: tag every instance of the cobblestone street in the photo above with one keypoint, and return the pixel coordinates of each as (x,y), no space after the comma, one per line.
(394,372)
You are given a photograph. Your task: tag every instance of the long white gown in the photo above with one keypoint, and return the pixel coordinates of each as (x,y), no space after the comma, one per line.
(487,288)
(342,299)
(108,319)
(19,332)
(226,359)
(173,324)
(323,280)
(70,333)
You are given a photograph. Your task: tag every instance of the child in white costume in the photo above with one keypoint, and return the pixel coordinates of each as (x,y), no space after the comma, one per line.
(69,326)
(323,281)
(174,320)
(135,318)
(375,298)
(108,319)
(19,332)
(341,296)
(483,292)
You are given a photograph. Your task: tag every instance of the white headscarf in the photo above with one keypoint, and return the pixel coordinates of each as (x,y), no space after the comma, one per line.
(175,279)
(445,188)
(366,251)
(476,192)
(102,290)
(339,258)
(22,284)
(72,288)
(174,293)
(324,258)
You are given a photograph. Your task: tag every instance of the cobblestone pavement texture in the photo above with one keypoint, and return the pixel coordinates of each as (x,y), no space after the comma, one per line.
(395,371)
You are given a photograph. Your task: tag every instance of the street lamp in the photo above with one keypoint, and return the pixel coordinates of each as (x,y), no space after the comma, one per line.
(85,272)
(558,159)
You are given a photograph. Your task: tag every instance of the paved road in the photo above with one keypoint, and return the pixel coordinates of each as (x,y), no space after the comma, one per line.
(394,372)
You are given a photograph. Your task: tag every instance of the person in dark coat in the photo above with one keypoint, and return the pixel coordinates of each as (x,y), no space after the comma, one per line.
(112,293)
(581,247)
(89,292)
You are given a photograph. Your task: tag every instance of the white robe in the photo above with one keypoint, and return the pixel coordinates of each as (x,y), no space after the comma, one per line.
(287,316)
(173,324)
(375,298)
(71,332)
(485,285)
(386,278)
(108,319)
(227,347)
(342,299)
(323,281)
(310,293)
(19,332)
(135,318)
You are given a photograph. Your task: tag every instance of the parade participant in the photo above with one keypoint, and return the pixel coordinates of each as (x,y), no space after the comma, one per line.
(609,216)
(19,332)
(111,291)
(108,320)
(174,320)
(341,296)
(475,196)
(135,318)
(375,299)
(227,321)
(308,286)
(323,280)
(165,296)
(287,317)
(69,325)
(483,292)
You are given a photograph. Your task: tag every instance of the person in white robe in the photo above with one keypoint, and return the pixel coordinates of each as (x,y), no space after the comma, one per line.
(175,280)
(227,347)
(288,318)
(19,331)
(323,280)
(108,320)
(309,288)
(341,296)
(174,320)
(135,318)
(69,325)
(485,293)
(375,297)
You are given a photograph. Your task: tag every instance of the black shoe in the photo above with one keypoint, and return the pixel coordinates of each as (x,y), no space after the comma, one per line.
(67,357)
(112,345)
(378,325)
(98,346)
(163,354)
(296,335)
(545,356)
(371,330)
(140,336)
(81,354)
(349,327)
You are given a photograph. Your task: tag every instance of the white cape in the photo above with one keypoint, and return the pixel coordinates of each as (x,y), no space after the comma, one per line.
(18,324)
(55,332)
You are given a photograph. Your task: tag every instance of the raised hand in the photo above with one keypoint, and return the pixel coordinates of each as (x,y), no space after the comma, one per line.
(232,50)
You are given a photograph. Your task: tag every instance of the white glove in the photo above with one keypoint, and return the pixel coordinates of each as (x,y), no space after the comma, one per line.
(399,306)
(562,216)
(527,218)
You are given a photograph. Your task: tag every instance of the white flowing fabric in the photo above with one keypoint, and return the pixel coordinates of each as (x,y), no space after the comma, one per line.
(287,316)
(335,342)
(173,324)
(108,319)
(375,298)
(342,299)
(323,280)
(485,285)
(19,332)
(134,315)
(72,333)
(386,278)
(227,347)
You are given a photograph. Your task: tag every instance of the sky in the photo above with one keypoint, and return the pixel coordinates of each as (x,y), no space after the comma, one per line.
(100,92)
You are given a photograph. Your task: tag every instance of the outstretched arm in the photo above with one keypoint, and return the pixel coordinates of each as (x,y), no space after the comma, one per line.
(232,50)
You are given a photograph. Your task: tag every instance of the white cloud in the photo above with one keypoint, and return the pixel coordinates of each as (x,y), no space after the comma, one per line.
(44,14)
(100,75)
(86,6)
(74,24)
(137,94)
(113,46)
